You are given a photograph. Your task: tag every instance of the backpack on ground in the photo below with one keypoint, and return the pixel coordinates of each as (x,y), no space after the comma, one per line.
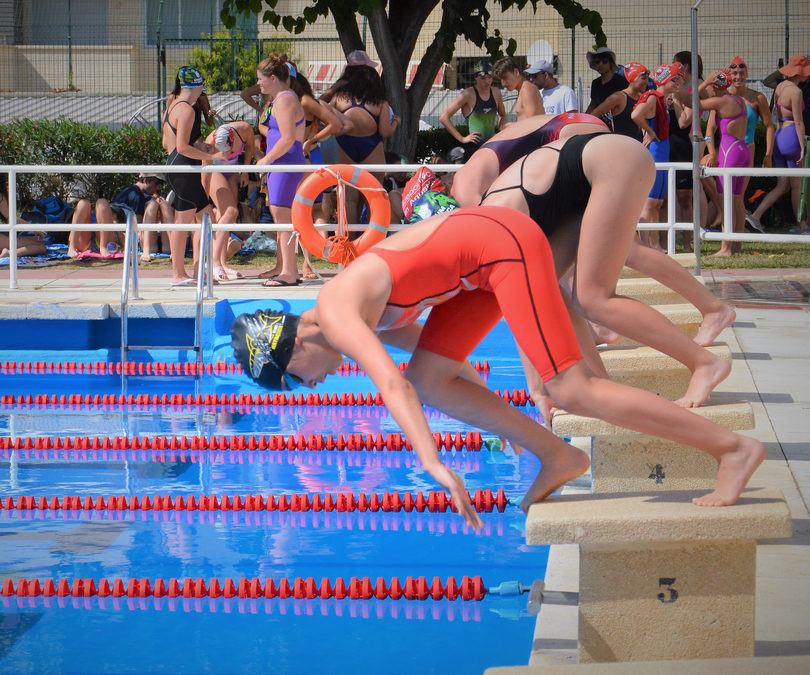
(51,209)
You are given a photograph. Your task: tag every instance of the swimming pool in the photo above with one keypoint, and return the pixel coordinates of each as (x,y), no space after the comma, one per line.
(336,514)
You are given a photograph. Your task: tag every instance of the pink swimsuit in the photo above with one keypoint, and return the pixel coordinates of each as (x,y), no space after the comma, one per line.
(733,151)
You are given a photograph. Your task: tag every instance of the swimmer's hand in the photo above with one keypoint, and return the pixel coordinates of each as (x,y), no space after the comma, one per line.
(504,442)
(474,137)
(451,482)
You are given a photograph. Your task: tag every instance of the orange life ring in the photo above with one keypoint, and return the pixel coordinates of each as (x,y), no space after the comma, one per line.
(339,249)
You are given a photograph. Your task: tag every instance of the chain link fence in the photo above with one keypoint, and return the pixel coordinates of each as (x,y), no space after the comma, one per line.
(62,56)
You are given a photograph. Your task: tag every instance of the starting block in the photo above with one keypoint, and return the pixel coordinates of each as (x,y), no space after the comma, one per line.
(650,292)
(628,461)
(686,260)
(685,316)
(647,368)
(661,578)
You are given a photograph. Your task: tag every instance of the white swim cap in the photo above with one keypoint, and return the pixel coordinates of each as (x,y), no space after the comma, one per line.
(223,138)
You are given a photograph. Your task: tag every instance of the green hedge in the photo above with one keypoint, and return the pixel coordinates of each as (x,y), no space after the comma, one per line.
(64,142)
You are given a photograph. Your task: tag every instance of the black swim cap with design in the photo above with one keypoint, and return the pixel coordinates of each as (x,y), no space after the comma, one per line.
(263,343)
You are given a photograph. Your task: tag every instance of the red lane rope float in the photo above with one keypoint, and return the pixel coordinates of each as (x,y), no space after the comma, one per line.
(517,397)
(351,367)
(338,248)
(160,368)
(470,588)
(471,441)
(435,502)
(120,368)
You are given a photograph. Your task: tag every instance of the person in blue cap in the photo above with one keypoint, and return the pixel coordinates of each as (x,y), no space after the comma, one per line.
(482,107)
(182,139)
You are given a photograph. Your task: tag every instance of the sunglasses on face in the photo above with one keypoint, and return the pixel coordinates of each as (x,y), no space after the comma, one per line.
(483,74)
(601,59)
(734,66)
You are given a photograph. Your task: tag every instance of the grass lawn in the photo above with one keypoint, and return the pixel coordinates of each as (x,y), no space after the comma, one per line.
(756,256)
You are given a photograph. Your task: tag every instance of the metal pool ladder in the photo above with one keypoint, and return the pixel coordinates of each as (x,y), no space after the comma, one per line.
(130,274)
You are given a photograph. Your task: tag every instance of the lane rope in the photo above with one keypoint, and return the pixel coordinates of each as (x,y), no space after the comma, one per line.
(161,368)
(390,502)
(471,441)
(517,397)
(470,588)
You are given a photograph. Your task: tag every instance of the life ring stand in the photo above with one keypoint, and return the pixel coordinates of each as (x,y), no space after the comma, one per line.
(338,248)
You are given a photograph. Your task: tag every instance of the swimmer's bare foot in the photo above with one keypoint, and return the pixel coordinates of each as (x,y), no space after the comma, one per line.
(565,465)
(603,334)
(713,324)
(270,274)
(704,379)
(736,468)
(721,254)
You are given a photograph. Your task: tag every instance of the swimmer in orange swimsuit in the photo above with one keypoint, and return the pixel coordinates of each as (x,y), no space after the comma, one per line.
(470,268)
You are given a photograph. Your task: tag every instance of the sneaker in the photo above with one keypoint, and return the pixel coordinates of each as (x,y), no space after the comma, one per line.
(799,230)
(753,222)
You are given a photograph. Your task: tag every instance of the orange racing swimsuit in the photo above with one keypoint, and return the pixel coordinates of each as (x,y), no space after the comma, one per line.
(479,264)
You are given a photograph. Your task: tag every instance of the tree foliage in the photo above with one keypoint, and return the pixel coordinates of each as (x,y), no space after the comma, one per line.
(229,63)
(395,27)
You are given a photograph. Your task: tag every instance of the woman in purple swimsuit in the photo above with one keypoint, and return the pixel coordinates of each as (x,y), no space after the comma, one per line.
(360,96)
(731,118)
(285,137)
(789,142)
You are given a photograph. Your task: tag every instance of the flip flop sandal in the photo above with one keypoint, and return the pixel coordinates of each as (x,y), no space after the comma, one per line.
(279,283)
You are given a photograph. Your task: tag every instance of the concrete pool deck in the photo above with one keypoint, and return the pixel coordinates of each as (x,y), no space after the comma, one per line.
(770,345)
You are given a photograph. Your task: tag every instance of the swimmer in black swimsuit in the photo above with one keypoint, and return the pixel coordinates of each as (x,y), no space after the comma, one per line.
(508,146)
(181,132)
(586,194)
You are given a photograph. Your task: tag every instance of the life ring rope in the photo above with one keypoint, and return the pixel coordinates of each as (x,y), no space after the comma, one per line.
(338,248)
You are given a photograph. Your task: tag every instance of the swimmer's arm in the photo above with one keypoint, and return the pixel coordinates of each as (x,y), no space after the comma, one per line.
(344,327)
(185,120)
(451,110)
(386,126)
(608,105)
(765,115)
(795,97)
(249,96)
(641,113)
(501,108)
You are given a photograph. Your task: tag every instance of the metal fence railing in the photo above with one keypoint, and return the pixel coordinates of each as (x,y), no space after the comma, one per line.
(670,224)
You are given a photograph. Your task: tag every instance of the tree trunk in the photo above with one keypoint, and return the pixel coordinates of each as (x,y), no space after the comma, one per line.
(407,103)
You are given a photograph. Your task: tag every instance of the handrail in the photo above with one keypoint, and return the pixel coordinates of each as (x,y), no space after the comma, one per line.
(670,225)
(130,262)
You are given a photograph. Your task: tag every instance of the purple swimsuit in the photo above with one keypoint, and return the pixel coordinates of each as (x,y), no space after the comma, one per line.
(786,151)
(281,186)
(733,151)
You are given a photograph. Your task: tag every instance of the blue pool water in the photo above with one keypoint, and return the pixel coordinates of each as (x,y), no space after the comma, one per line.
(192,635)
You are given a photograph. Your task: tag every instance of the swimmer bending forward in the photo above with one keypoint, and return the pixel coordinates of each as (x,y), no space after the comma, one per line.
(470,267)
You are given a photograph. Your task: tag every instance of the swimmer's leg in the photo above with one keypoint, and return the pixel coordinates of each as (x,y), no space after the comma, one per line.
(717,315)
(607,231)
(578,391)
(438,384)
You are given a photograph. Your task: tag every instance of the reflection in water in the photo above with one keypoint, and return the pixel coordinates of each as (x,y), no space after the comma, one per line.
(410,610)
